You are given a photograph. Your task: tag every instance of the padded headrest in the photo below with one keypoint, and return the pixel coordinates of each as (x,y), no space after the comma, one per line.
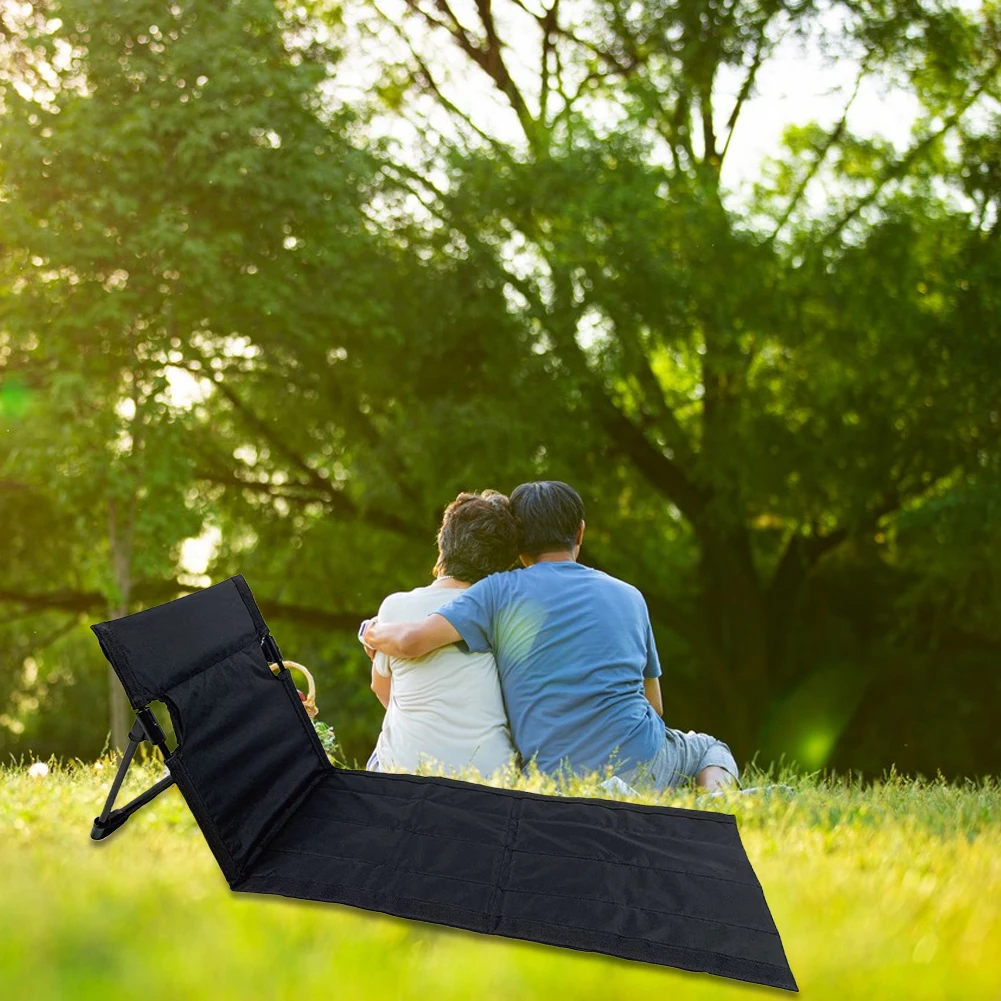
(156,649)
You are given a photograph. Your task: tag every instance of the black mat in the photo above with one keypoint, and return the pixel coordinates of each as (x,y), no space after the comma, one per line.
(656,884)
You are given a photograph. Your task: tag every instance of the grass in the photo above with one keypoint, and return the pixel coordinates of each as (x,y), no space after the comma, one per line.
(880,890)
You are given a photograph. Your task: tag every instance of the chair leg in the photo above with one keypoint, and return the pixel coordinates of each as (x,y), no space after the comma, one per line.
(145,727)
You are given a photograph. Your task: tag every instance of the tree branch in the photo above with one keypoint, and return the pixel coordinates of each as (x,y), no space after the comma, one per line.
(286,491)
(336,499)
(653,391)
(494,64)
(623,68)
(156,592)
(432,85)
(803,552)
(745,92)
(761,46)
(833,137)
(709,154)
(663,473)
(658,469)
(899,168)
(547,25)
(14,486)
(489,59)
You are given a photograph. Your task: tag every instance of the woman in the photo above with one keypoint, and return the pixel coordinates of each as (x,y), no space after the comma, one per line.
(446,710)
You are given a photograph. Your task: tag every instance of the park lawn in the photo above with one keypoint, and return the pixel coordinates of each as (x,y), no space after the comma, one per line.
(882,890)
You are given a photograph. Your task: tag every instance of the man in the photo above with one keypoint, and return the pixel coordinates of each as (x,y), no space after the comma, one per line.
(576,654)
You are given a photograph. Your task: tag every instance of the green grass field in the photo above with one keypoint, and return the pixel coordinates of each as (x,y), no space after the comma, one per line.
(884,890)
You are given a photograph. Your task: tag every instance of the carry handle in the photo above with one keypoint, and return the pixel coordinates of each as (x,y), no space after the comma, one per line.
(273,656)
(309,703)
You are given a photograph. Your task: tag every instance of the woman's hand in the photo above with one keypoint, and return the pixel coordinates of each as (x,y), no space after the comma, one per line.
(362,629)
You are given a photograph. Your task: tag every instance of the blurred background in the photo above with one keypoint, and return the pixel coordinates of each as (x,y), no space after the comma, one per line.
(277,280)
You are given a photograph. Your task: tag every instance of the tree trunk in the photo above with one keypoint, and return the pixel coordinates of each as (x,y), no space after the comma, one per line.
(120,712)
(734,636)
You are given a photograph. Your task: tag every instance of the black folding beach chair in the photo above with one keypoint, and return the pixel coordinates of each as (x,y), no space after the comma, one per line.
(656,884)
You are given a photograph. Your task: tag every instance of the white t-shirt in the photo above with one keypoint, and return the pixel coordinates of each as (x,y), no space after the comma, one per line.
(445,708)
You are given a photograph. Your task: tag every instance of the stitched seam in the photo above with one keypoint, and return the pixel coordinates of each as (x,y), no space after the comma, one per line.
(279,820)
(300,714)
(226,654)
(695,952)
(499,845)
(504,869)
(635,865)
(532,851)
(637,808)
(552,820)
(248,851)
(380,794)
(646,941)
(243,590)
(373,893)
(640,907)
(208,825)
(488,844)
(387,865)
(124,667)
(488,910)
(260,630)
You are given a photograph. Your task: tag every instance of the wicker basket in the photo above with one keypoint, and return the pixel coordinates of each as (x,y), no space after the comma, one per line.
(309,703)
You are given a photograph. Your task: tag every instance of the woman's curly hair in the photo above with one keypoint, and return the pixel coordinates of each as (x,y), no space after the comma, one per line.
(478,537)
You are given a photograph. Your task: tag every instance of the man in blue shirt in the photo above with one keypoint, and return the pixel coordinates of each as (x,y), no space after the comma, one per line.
(576,654)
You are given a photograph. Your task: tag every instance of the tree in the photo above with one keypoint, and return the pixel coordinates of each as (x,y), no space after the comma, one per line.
(150,209)
(782,380)
(741,389)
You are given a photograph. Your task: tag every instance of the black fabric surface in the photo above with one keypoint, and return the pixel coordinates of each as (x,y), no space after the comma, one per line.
(657,884)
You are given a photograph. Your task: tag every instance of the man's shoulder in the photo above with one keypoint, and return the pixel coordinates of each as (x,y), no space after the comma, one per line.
(621,592)
(498,581)
(617,583)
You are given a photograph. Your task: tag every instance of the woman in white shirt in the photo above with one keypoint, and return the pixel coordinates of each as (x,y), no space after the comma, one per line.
(445,710)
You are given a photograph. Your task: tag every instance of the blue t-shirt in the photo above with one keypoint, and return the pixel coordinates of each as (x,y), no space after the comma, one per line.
(573,646)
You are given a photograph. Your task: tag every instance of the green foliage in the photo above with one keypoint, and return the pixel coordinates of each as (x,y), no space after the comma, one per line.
(225,304)
(329,741)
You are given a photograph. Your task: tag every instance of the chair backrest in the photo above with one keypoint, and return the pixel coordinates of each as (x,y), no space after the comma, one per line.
(247,753)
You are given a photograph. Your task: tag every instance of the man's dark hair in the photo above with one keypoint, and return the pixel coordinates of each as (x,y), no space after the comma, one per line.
(478,537)
(548,513)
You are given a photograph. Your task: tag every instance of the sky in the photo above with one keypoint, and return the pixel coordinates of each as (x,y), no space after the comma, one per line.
(794,86)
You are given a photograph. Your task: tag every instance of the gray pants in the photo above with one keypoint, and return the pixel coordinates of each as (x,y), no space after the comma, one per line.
(681,757)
